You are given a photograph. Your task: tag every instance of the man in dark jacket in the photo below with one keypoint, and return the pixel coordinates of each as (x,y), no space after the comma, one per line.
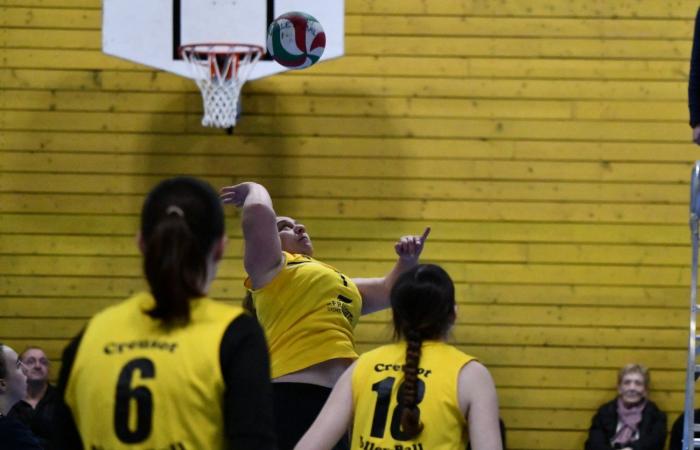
(36,409)
(631,421)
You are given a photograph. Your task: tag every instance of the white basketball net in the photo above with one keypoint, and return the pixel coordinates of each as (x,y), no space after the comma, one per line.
(220,71)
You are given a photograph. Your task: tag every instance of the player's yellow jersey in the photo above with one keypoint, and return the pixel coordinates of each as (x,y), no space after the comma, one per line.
(136,385)
(376,380)
(308,311)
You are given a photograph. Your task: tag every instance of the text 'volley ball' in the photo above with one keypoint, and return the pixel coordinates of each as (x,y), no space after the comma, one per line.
(296,40)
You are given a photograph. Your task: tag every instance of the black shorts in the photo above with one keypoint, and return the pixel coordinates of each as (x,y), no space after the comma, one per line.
(296,407)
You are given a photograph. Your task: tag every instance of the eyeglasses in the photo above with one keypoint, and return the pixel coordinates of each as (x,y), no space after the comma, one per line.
(31,361)
(20,365)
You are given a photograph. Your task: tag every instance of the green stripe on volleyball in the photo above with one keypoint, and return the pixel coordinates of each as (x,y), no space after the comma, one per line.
(296,40)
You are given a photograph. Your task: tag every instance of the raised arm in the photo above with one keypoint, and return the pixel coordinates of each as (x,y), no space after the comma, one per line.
(376,291)
(263,251)
(335,418)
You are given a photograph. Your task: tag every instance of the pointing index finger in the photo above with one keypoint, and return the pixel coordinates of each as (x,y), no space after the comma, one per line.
(425,234)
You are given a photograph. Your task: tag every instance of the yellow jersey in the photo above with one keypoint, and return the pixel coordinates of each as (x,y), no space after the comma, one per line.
(309,312)
(137,385)
(376,380)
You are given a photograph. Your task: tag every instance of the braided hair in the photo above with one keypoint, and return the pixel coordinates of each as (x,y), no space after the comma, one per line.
(422,303)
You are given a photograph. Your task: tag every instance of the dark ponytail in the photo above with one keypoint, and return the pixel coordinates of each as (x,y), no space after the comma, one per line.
(181,221)
(422,303)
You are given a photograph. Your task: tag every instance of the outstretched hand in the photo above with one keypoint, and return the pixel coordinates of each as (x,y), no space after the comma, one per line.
(409,248)
(234,195)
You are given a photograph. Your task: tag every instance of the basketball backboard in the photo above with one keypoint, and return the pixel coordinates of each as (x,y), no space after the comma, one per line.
(151,32)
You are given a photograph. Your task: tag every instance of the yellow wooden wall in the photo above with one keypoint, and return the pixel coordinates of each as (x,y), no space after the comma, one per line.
(545,142)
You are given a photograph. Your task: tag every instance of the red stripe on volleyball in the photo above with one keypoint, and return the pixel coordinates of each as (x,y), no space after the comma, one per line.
(319,41)
(299,23)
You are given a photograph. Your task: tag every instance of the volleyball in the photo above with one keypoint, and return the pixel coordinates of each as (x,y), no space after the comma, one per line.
(296,40)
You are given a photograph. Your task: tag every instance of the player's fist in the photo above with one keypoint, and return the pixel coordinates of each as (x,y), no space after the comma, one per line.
(235,195)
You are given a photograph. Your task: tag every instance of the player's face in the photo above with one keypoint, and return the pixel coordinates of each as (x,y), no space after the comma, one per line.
(14,385)
(37,365)
(293,236)
(632,388)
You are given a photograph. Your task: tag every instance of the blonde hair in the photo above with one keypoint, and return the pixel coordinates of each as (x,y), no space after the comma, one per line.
(634,368)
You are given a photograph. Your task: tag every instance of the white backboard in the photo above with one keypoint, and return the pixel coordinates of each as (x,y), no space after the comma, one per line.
(150,31)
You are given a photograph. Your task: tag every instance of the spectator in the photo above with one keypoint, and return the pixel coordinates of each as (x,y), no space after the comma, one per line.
(14,435)
(694,83)
(676,442)
(36,409)
(631,421)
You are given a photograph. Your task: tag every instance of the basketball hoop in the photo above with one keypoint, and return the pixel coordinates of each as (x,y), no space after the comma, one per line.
(220,71)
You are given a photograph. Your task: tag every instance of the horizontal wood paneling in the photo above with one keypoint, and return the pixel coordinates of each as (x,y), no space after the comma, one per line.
(318,83)
(518,252)
(378,188)
(337,106)
(288,146)
(427,167)
(466,271)
(484,293)
(391,210)
(356,230)
(544,27)
(596,8)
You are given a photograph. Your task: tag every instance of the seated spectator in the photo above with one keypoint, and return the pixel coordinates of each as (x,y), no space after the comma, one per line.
(631,421)
(677,431)
(14,435)
(36,409)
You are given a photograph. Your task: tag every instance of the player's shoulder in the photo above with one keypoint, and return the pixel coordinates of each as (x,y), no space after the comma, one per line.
(137,302)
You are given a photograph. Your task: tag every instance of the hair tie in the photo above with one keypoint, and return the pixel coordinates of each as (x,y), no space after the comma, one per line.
(176,210)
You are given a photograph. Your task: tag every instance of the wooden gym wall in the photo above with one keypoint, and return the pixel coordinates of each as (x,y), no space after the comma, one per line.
(546,143)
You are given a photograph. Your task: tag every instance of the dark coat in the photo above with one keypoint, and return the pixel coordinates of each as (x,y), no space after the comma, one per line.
(14,435)
(694,78)
(652,428)
(676,442)
(39,420)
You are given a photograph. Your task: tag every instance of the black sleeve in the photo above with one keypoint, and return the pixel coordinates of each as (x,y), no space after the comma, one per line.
(694,78)
(655,439)
(597,439)
(248,414)
(64,430)
(15,434)
(676,442)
